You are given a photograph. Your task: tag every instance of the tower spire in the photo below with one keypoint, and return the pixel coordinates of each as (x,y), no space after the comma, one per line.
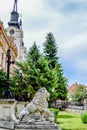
(14,16)
(15,6)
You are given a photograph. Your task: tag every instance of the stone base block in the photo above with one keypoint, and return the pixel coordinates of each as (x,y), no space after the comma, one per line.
(6,124)
(2,129)
(7,114)
(37,126)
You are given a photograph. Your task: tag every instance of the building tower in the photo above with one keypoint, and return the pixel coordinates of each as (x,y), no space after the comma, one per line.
(15,32)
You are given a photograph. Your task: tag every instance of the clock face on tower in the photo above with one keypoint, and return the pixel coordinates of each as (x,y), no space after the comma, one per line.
(11,32)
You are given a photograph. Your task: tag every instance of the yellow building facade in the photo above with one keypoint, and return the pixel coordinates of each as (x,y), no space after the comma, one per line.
(5,44)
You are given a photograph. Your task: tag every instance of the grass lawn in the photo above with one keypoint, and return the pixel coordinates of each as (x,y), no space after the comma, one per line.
(70,121)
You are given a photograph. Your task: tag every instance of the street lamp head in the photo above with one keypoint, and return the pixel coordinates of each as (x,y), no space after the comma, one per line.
(53,89)
(20,71)
(8,54)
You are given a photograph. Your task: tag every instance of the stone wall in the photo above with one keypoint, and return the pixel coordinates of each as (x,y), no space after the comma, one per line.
(75,109)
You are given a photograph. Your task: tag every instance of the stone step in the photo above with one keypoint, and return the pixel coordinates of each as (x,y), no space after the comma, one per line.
(37,126)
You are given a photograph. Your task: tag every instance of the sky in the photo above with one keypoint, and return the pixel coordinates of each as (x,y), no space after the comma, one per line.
(66,19)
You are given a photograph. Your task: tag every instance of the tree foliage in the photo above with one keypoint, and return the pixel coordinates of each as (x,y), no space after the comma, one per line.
(79,93)
(33,54)
(3,78)
(30,74)
(50,50)
(61,84)
(41,71)
(35,77)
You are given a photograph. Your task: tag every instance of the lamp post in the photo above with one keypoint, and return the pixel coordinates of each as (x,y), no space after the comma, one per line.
(7,93)
(21,78)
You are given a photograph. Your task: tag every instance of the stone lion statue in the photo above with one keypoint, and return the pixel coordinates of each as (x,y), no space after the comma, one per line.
(38,106)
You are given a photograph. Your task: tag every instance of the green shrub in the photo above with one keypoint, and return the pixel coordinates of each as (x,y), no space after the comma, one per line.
(84,117)
(56,112)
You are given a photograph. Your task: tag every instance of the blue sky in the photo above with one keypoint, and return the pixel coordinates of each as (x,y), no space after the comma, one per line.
(66,19)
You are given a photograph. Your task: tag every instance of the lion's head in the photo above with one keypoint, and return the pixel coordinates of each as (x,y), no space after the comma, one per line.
(41,97)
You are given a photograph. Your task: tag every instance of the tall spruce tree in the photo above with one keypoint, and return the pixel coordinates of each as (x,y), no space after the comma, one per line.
(32,61)
(50,52)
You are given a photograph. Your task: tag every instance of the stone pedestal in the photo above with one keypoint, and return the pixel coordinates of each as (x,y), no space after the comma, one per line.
(44,125)
(20,107)
(7,114)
